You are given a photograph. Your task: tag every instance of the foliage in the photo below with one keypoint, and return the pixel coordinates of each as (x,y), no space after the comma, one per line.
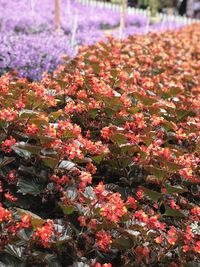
(99,162)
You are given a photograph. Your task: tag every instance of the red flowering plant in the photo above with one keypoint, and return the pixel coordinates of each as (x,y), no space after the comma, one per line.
(100,162)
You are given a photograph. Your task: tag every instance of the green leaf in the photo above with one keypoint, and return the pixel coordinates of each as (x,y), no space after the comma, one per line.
(93,113)
(34,100)
(21,152)
(27,113)
(55,115)
(68,134)
(63,84)
(148,100)
(133,234)
(157,58)
(119,138)
(46,139)
(158,71)
(153,195)
(14,250)
(52,261)
(173,213)
(8,260)
(50,161)
(174,91)
(173,166)
(72,193)
(133,110)
(38,121)
(181,113)
(174,189)
(68,209)
(143,154)
(188,77)
(98,159)
(159,173)
(84,160)
(30,148)
(123,243)
(114,73)
(67,165)
(5,161)
(168,125)
(128,70)
(25,234)
(129,149)
(29,186)
(130,81)
(113,103)
(110,112)
(145,100)
(95,66)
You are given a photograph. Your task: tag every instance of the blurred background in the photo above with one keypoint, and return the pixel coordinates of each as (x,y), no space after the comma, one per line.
(190,8)
(36,34)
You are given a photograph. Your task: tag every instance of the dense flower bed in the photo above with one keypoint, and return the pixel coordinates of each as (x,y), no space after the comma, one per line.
(99,162)
(27,33)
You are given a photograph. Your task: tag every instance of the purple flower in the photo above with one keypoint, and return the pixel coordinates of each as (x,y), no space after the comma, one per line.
(28,41)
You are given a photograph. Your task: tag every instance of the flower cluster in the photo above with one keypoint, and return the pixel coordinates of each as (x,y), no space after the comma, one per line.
(100,161)
(44,233)
(114,208)
(103,240)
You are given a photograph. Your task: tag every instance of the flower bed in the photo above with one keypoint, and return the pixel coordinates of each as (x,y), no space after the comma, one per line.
(99,162)
(28,42)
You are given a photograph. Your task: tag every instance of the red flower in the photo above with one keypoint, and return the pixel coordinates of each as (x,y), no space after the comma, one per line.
(44,233)
(197,247)
(165,152)
(82,221)
(114,208)
(19,105)
(25,218)
(50,131)
(131,202)
(7,144)
(196,211)
(103,265)
(91,168)
(32,129)
(142,216)
(156,120)
(172,231)
(8,114)
(185,248)
(12,175)
(5,215)
(140,193)
(85,177)
(82,94)
(9,197)
(100,190)
(171,240)
(174,205)
(60,181)
(103,240)
(159,239)
(106,132)
(73,150)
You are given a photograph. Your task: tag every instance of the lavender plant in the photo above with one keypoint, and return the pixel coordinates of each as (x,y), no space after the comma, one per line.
(28,41)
